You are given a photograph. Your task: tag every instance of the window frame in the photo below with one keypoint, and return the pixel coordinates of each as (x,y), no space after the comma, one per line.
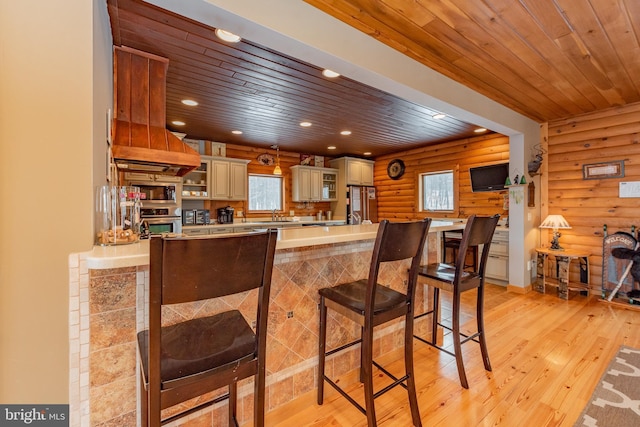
(282,192)
(455,170)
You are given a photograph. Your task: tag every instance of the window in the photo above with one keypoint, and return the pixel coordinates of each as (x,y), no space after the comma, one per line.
(266,192)
(438,191)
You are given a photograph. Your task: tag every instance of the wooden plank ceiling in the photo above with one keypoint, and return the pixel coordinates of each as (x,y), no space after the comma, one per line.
(547,59)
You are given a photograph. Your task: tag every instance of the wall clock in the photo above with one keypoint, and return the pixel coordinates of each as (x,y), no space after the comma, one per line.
(395,169)
(266,159)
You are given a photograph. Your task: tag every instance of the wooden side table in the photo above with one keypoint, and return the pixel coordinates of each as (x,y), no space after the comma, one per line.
(553,268)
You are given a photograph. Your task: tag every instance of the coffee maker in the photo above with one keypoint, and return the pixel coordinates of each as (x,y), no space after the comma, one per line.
(225,215)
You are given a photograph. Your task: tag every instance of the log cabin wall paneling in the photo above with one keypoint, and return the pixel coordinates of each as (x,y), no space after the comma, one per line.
(287,159)
(397,199)
(589,204)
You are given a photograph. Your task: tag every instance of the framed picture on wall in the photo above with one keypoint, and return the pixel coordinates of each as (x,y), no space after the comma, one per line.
(613,169)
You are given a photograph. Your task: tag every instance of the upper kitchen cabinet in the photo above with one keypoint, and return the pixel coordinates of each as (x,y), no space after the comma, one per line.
(195,184)
(313,184)
(228,178)
(357,171)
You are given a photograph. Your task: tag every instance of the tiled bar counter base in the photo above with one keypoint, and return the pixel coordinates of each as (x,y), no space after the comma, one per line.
(107,308)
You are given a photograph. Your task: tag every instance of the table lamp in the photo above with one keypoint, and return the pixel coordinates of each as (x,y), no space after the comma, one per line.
(555,222)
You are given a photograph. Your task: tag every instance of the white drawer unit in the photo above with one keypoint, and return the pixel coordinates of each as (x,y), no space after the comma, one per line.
(498,262)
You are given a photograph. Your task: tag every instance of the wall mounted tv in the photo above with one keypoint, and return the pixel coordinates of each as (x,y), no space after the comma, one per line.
(489,178)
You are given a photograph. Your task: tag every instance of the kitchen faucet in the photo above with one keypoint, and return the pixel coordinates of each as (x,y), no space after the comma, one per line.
(355,216)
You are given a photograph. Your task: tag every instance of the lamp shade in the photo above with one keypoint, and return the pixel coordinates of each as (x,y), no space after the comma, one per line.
(555,222)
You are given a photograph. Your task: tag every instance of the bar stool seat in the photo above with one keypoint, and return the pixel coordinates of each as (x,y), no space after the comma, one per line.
(370,304)
(455,278)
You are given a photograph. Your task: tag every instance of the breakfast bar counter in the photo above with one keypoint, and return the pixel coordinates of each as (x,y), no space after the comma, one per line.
(104,257)
(107,308)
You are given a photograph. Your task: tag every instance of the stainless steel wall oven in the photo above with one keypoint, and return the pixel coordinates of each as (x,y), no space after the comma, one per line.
(160,206)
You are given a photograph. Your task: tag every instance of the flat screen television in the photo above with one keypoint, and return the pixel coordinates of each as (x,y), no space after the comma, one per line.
(489,178)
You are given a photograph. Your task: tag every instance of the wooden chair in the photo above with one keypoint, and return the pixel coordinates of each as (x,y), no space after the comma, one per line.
(194,357)
(456,279)
(453,243)
(370,304)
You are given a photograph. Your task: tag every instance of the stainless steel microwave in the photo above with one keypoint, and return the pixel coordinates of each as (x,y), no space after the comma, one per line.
(154,193)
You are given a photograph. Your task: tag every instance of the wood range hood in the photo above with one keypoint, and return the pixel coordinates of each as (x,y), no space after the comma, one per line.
(140,140)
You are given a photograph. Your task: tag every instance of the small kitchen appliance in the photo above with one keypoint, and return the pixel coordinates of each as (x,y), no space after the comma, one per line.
(196,217)
(225,215)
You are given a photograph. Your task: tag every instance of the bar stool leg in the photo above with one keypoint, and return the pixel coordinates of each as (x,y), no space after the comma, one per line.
(456,339)
(367,371)
(362,349)
(321,350)
(436,314)
(480,320)
(233,397)
(144,404)
(408,363)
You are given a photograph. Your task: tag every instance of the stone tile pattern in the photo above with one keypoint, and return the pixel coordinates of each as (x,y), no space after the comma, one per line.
(116,310)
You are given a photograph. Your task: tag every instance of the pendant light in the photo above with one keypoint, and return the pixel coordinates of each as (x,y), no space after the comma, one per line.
(277,170)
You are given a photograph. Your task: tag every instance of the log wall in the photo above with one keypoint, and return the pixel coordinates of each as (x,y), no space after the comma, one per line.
(589,204)
(398,199)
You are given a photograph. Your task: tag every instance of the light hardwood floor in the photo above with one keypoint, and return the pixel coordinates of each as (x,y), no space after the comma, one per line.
(547,355)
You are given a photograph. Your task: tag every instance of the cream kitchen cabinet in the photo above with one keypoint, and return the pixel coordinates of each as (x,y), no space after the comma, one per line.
(308,183)
(195,184)
(228,179)
(357,171)
(498,261)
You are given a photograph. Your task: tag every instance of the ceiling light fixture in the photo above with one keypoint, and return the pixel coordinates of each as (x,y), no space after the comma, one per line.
(480,130)
(178,123)
(227,36)
(345,132)
(330,74)
(277,170)
(367,153)
(190,102)
(236,132)
(305,124)
(331,147)
(439,116)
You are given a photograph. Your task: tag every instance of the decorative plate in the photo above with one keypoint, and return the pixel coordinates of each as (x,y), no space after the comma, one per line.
(395,169)
(266,159)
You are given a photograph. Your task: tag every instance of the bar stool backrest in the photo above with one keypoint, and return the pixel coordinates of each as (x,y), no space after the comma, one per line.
(478,231)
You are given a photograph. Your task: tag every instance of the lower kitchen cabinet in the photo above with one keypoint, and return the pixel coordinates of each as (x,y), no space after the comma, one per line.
(498,261)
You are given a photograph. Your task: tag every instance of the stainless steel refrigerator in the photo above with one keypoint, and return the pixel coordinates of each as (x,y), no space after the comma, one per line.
(362,204)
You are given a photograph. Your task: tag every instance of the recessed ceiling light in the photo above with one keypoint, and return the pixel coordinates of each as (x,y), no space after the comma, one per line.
(236,132)
(330,74)
(367,153)
(331,147)
(190,102)
(178,123)
(480,130)
(345,132)
(227,36)
(305,124)
(439,116)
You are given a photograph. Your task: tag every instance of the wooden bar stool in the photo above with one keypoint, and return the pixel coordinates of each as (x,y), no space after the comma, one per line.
(370,304)
(456,279)
(453,243)
(194,357)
